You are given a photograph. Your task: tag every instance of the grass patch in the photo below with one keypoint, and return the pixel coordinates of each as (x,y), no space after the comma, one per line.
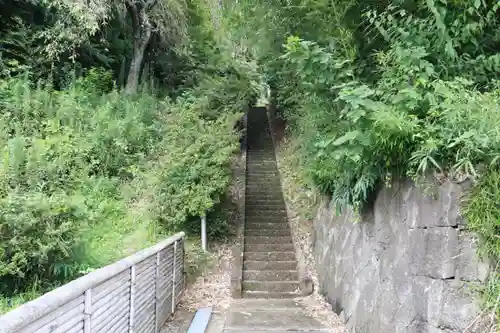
(10,303)
(482,211)
(296,187)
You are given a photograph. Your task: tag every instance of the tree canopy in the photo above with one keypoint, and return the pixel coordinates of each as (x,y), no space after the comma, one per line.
(370,90)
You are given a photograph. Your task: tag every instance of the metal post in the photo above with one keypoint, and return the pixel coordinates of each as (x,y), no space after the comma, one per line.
(204,233)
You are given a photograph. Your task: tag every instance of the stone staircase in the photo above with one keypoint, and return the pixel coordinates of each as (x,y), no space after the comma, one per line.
(269,265)
(270,277)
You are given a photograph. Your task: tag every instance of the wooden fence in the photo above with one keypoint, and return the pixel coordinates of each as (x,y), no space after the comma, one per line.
(134,295)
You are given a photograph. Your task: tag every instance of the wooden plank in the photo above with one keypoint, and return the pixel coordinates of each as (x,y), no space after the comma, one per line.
(157,289)
(87,324)
(105,327)
(146,316)
(132,299)
(62,321)
(200,320)
(147,327)
(115,308)
(173,277)
(67,308)
(104,289)
(118,300)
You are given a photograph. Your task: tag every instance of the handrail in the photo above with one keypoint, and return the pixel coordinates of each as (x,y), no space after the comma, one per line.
(134,294)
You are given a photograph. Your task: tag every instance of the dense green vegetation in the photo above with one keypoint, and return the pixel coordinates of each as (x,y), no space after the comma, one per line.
(117,116)
(113,133)
(377,90)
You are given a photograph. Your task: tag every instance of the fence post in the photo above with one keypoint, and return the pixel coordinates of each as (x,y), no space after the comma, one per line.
(132,299)
(204,233)
(157,294)
(87,321)
(173,277)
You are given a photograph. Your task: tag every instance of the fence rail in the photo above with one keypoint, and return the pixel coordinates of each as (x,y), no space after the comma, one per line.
(134,295)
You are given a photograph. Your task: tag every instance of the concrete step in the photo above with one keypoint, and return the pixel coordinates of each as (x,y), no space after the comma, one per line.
(268,295)
(261,154)
(250,330)
(273,286)
(270,226)
(263,197)
(264,187)
(268,220)
(264,192)
(256,159)
(264,203)
(262,133)
(267,265)
(274,181)
(255,193)
(256,304)
(258,144)
(259,210)
(265,209)
(267,232)
(270,215)
(270,275)
(268,240)
(269,256)
(265,206)
(257,162)
(261,169)
(265,174)
(254,200)
(259,181)
(266,224)
(251,169)
(253,218)
(292,319)
(269,247)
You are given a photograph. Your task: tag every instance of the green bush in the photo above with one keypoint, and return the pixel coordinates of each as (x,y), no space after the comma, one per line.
(392,128)
(375,91)
(483,218)
(38,235)
(87,178)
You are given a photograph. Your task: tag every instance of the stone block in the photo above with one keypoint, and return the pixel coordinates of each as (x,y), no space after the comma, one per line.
(306,286)
(458,308)
(470,267)
(401,270)
(434,251)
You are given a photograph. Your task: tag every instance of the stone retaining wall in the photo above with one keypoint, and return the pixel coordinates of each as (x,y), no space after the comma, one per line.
(406,266)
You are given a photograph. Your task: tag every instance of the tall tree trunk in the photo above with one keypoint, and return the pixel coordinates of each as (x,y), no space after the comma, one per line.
(134,71)
(143,30)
